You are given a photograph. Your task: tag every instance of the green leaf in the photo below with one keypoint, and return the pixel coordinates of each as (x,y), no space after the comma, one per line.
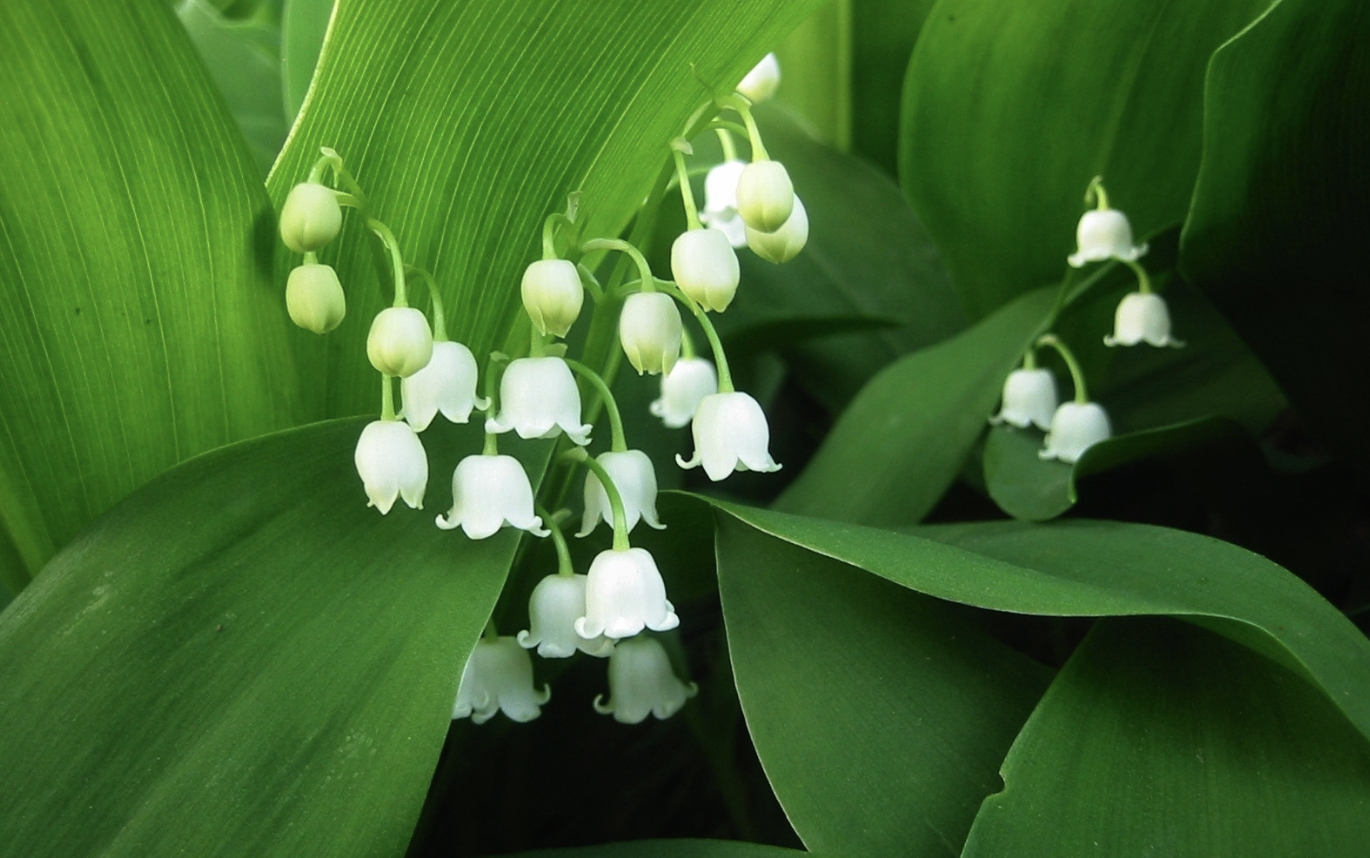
(884,33)
(1275,230)
(905,436)
(242,659)
(139,330)
(1090,568)
(304,23)
(467,124)
(1159,738)
(1011,108)
(867,256)
(880,715)
(668,849)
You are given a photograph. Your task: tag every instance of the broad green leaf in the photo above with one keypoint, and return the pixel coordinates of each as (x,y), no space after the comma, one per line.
(880,715)
(244,58)
(466,124)
(903,439)
(139,329)
(815,73)
(1011,108)
(668,849)
(884,33)
(867,256)
(1158,738)
(242,659)
(1274,233)
(1091,568)
(304,23)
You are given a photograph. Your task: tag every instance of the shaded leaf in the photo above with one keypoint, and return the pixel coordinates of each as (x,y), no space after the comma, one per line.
(304,24)
(668,849)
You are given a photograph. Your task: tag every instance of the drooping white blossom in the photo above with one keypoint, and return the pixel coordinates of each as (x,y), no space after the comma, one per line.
(1142,317)
(391,462)
(682,389)
(447,384)
(489,492)
(765,195)
(641,683)
(624,594)
(557,602)
(730,433)
(539,399)
(705,267)
(785,243)
(1030,398)
(650,331)
(1104,234)
(720,201)
(498,677)
(761,82)
(1075,427)
(552,295)
(633,475)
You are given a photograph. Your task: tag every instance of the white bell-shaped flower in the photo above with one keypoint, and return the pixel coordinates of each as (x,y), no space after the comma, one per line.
(633,475)
(1104,234)
(310,218)
(720,201)
(400,342)
(314,298)
(488,492)
(552,295)
(539,399)
(761,82)
(682,389)
(650,330)
(1142,317)
(498,677)
(1030,398)
(641,683)
(624,594)
(557,602)
(1075,427)
(391,462)
(730,433)
(705,267)
(446,384)
(785,243)
(765,195)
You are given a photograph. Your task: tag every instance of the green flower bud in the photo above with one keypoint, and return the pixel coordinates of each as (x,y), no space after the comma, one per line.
(765,195)
(552,295)
(400,342)
(310,218)
(785,243)
(314,298)
(649,329)
(705,267)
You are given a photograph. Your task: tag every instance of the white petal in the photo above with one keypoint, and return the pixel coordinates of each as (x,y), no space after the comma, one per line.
(682,389)
(391,462)
(1029,398)
(1075,427)
(447,384)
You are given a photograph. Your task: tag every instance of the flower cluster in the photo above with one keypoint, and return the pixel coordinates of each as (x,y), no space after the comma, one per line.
(615,609)
(1030,397)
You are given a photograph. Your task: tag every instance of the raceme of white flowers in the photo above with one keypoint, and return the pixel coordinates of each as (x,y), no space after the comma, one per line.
(613,609)
(1030,397)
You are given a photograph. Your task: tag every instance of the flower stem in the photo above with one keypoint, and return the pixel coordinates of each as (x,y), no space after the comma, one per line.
(387,398)
(396,261)
(1095,193)
(549,233)
(1077,375)
(340,174)
(644,270)
(590,282)
(725,377)
(617,443)
(1030,358)
(439,317)
(578,454)
(739,104)
(687,345)
(1143,281)
(564,566)
(679,148)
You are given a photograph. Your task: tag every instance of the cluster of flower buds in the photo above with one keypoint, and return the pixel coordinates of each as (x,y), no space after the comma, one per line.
(1030,397)
(310,219)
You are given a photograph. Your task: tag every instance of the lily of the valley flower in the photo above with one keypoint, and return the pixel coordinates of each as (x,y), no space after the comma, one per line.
(633,475)
(552,295)
(400,342)
(641,683)
(650,330)
(765,195)
(1104,234)
(682,389)
(1030,398)
(624,594)
(446,384)
(1075,427)
(488,492)
(761,82)
(720,201)
(730,433)
(557,602)
(785,243)
(1142,317)
(498,677)
(310,218)
(391,462)
(314,298)
(705,267)
(539,399)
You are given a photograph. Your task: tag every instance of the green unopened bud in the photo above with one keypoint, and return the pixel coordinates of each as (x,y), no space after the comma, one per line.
(649,329)
(765,195)
(310,218)
(552,295)
(785,243)
(705,267)
(314,298)
(400,342)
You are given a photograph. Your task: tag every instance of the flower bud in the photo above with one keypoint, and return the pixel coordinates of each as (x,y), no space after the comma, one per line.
(552,295)
(650,331)
(400,342)
(705,267)
(785,243)
(765,195)
(762,81)
(310,218)
(314,298)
